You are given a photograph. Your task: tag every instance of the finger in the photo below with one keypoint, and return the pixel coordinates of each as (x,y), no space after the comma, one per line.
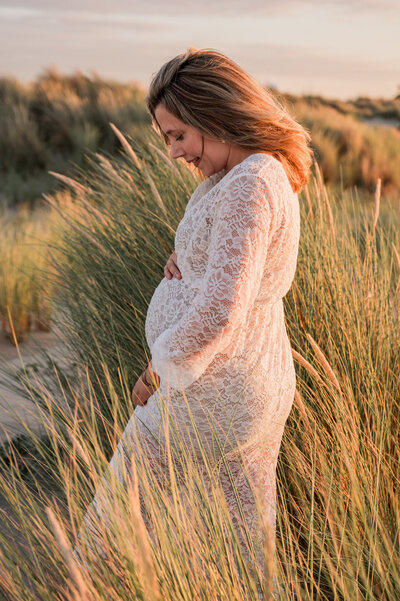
(174,269)
(167,273)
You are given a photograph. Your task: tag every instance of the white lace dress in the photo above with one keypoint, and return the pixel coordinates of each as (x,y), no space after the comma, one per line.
(217,336)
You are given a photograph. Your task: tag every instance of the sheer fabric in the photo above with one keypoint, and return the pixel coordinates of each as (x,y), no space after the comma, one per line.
(217,336)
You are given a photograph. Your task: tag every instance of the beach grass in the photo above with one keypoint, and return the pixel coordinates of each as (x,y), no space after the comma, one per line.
(337,475)
(349,151)
(26,274)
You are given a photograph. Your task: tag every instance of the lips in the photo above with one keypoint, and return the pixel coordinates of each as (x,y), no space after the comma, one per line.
(195,161)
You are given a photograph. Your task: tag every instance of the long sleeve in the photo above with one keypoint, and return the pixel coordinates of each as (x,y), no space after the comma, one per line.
(238,247)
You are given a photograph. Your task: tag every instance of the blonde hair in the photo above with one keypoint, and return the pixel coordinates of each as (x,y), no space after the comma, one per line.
(208,91)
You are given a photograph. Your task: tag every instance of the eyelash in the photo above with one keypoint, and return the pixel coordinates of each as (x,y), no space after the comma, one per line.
(179,138)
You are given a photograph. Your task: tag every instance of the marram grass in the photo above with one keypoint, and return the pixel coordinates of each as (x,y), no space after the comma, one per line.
(26,280)
(337,475)
(191,551)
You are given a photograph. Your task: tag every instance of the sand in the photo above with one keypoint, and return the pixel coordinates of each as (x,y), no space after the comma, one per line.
(13,407)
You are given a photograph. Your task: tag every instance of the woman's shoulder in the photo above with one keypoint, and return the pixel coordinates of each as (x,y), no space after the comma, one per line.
(259,166)
(257,171)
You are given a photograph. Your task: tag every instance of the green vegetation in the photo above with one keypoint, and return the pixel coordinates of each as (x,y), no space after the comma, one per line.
(26,283)
(350,152)
(50,125)
(338,480)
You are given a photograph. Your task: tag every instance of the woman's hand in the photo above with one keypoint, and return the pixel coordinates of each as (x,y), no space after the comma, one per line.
(142,392)
(171,268)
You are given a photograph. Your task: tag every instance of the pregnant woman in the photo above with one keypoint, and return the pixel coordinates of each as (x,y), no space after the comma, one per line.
(215,325)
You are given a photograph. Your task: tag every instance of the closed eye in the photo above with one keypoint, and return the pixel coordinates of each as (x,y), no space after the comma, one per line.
(179,138)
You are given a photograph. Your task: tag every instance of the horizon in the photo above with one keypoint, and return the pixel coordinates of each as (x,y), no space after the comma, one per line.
(289,45)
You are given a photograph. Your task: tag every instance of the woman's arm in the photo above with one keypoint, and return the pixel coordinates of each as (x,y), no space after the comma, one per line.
(237,252)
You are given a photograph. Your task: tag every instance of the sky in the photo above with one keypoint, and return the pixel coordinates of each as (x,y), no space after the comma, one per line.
(337,48)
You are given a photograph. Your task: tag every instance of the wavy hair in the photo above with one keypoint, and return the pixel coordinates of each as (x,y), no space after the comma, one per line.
(208,91)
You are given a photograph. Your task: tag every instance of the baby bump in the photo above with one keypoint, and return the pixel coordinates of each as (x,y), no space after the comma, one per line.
(167,306)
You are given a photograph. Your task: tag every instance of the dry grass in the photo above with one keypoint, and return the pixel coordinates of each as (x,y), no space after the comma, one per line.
(26,283)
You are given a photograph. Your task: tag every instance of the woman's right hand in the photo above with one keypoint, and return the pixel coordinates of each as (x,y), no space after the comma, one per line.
(171,268)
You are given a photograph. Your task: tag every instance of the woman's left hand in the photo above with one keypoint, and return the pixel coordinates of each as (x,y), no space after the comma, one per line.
(141,393)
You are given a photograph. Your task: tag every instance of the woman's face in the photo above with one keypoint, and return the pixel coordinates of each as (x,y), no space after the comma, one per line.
(187,143)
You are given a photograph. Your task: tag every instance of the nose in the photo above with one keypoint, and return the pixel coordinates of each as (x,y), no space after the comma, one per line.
(176,151)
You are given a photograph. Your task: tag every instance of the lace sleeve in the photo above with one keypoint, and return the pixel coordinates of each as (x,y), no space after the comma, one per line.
(236,258)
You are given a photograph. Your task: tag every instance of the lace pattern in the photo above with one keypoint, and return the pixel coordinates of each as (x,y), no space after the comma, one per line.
(217,336)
